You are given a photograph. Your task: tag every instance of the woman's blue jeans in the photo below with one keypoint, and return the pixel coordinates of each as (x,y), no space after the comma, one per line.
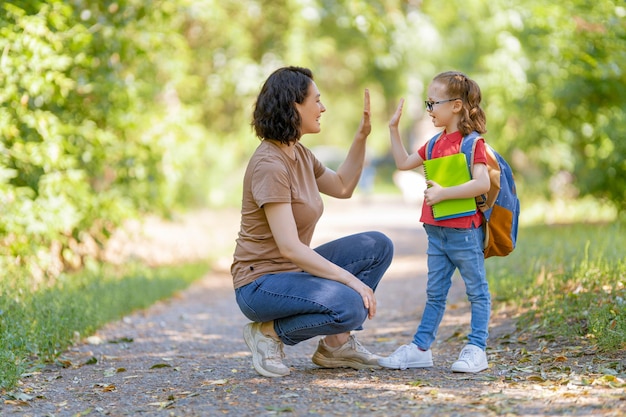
(304,306)
(449,249)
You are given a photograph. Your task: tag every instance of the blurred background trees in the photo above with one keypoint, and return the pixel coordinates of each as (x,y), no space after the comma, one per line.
(113,109)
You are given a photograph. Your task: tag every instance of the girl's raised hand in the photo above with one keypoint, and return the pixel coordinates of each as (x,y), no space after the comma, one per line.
(395,119)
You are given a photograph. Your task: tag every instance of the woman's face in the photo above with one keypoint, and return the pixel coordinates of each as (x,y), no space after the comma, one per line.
(310,111)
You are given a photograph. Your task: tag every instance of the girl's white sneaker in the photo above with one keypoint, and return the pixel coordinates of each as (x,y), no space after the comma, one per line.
(408,356)
(472,359)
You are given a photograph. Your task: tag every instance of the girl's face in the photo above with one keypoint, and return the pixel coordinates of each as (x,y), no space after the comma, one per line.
(445,110)
(310,111)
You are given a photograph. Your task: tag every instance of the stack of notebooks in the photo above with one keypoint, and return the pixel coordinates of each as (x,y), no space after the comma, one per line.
(449,171)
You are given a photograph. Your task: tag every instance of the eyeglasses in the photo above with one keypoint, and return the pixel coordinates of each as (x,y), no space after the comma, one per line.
(431,104)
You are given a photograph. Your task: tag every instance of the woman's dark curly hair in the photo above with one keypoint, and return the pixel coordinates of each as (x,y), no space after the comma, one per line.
(275,115)
(459,85)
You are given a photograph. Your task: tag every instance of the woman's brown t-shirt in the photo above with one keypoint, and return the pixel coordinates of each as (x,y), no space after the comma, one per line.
(273,177)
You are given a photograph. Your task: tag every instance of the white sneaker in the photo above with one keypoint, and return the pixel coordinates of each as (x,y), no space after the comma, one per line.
(267,353)
(472,359)
(408,356)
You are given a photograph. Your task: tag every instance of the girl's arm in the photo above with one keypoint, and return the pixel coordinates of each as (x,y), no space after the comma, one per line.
(285,233)
(479,184)
(403,160)
(341,184)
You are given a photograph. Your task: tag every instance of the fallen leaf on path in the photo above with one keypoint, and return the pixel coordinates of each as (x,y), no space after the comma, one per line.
(163,404)
(216,382)
(110,372)
(161,365)
(91,361)
(122,340)
(106,387)
(609,381)
(19,403)
(419,383)
(19,396)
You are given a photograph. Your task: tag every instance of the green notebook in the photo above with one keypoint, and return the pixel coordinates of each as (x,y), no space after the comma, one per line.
(448,171)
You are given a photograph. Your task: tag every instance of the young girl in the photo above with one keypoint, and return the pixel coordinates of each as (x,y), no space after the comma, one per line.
(454,105)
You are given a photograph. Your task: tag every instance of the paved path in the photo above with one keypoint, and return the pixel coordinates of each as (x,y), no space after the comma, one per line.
(186,356)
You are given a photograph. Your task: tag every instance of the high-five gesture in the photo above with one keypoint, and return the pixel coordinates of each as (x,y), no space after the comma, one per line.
(395,119)
(403,159)
(365,127)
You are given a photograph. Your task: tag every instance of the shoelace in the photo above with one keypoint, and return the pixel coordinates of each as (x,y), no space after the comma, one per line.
(357,346)
(275,350)
(403,356)
(468,355)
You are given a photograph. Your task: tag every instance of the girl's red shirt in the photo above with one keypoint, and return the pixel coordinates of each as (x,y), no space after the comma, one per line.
(449,144)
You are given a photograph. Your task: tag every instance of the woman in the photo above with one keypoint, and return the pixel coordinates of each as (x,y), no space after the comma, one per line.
(290,291)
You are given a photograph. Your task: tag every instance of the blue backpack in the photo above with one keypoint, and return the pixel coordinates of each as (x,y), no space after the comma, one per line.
(500,205)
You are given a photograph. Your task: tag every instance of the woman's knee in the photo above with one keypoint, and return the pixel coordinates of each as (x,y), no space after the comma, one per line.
(379,245)
(352,313)
(381,240)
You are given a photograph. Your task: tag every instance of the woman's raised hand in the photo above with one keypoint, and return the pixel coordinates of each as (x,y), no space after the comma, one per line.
(366,126)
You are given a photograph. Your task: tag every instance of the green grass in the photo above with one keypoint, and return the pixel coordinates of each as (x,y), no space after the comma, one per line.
(569,279)
(35,327)
(566,211)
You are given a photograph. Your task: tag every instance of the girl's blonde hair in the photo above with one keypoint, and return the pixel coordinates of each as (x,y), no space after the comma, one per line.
(461,86)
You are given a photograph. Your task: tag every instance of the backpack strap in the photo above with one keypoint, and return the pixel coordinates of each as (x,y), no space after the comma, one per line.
(468,147)
(431,145)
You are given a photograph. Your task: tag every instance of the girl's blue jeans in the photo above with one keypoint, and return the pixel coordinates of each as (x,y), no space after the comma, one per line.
(304,306)
(449,249)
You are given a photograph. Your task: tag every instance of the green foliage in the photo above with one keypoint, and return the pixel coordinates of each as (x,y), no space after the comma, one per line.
(571,280)
(575,95)
(110,109)
(35,327)
(553,87)
(85,142)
